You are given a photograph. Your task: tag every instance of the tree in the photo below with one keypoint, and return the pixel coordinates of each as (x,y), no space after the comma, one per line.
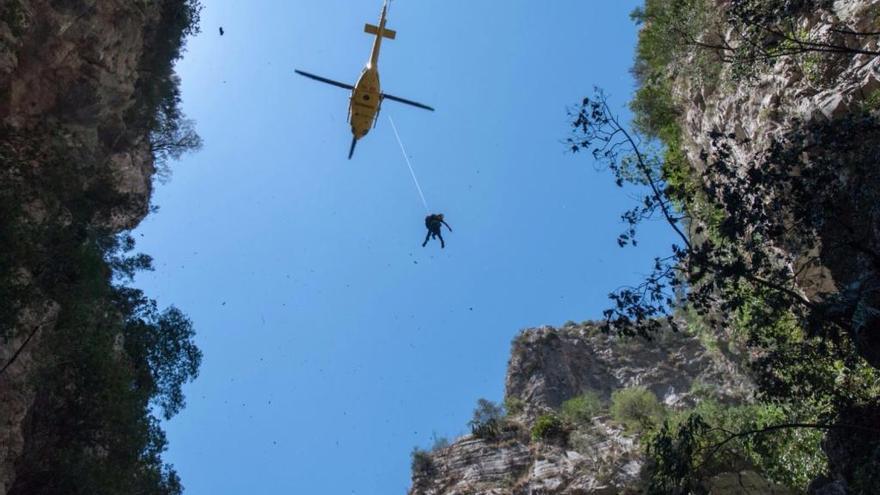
(488,420)
(754,239)
(770,218)
(421,463)
(637,408)
(751,237)
(109,360)
(583,408)
(170,141)
(550,428)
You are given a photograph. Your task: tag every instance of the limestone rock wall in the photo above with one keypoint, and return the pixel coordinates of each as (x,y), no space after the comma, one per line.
(548,366)
(69,73)
(782,99)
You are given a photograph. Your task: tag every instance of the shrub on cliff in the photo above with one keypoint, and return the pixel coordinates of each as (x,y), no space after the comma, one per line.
(514,405)
(691,446)
(637,408)
(583,408)
(550,428)
(488,420)
(421,463)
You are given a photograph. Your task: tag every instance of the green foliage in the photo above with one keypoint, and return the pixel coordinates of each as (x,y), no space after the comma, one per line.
(116,358)
(488,420)
(818,373)
(157,91)
(665,23)
(14,15)
(673,457)
(583,408)
(691,446)
(806,367)
(637,408)
(514,405)
(550,428)
(421,463)
(871,103)
(163,345)
(702,391)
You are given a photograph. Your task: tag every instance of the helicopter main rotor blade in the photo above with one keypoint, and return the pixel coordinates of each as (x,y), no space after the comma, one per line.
(324,80)
(405,101)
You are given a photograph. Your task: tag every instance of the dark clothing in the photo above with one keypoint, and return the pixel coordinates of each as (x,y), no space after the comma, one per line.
(434,223)
(436,235)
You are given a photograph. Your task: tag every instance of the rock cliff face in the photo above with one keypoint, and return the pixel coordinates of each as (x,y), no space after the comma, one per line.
(71,70)
(549,366)
(812,101)
(824,106)
(787,94)
(71,79)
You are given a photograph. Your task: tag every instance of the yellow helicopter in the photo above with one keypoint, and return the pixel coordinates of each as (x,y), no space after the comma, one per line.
(366,95)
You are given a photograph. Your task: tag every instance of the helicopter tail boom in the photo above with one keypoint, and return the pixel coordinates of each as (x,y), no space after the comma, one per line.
(354,142)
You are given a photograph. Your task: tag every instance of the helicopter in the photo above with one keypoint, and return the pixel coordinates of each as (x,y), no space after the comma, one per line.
(366,95)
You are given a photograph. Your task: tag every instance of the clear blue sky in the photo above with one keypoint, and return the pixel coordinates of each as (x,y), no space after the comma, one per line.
(333,341)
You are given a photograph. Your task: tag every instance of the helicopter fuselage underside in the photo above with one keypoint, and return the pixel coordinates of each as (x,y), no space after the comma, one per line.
(365,103)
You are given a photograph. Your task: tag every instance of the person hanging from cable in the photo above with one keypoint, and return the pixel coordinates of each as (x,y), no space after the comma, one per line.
(434,223)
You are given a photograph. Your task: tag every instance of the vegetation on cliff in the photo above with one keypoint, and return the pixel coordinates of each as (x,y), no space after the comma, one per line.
(110,360)
(750,234)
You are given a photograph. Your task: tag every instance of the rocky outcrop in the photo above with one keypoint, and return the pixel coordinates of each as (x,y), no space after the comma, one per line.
(70,75)
(512,466)
(764,108)
(549,366)
(798,99)
(823,107)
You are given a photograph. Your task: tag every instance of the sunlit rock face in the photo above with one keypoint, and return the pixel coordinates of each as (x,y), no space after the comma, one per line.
(779,102)
(549,366)
(69,73)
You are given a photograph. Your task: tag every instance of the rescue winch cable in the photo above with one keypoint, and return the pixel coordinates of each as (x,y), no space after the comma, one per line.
(408,164)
